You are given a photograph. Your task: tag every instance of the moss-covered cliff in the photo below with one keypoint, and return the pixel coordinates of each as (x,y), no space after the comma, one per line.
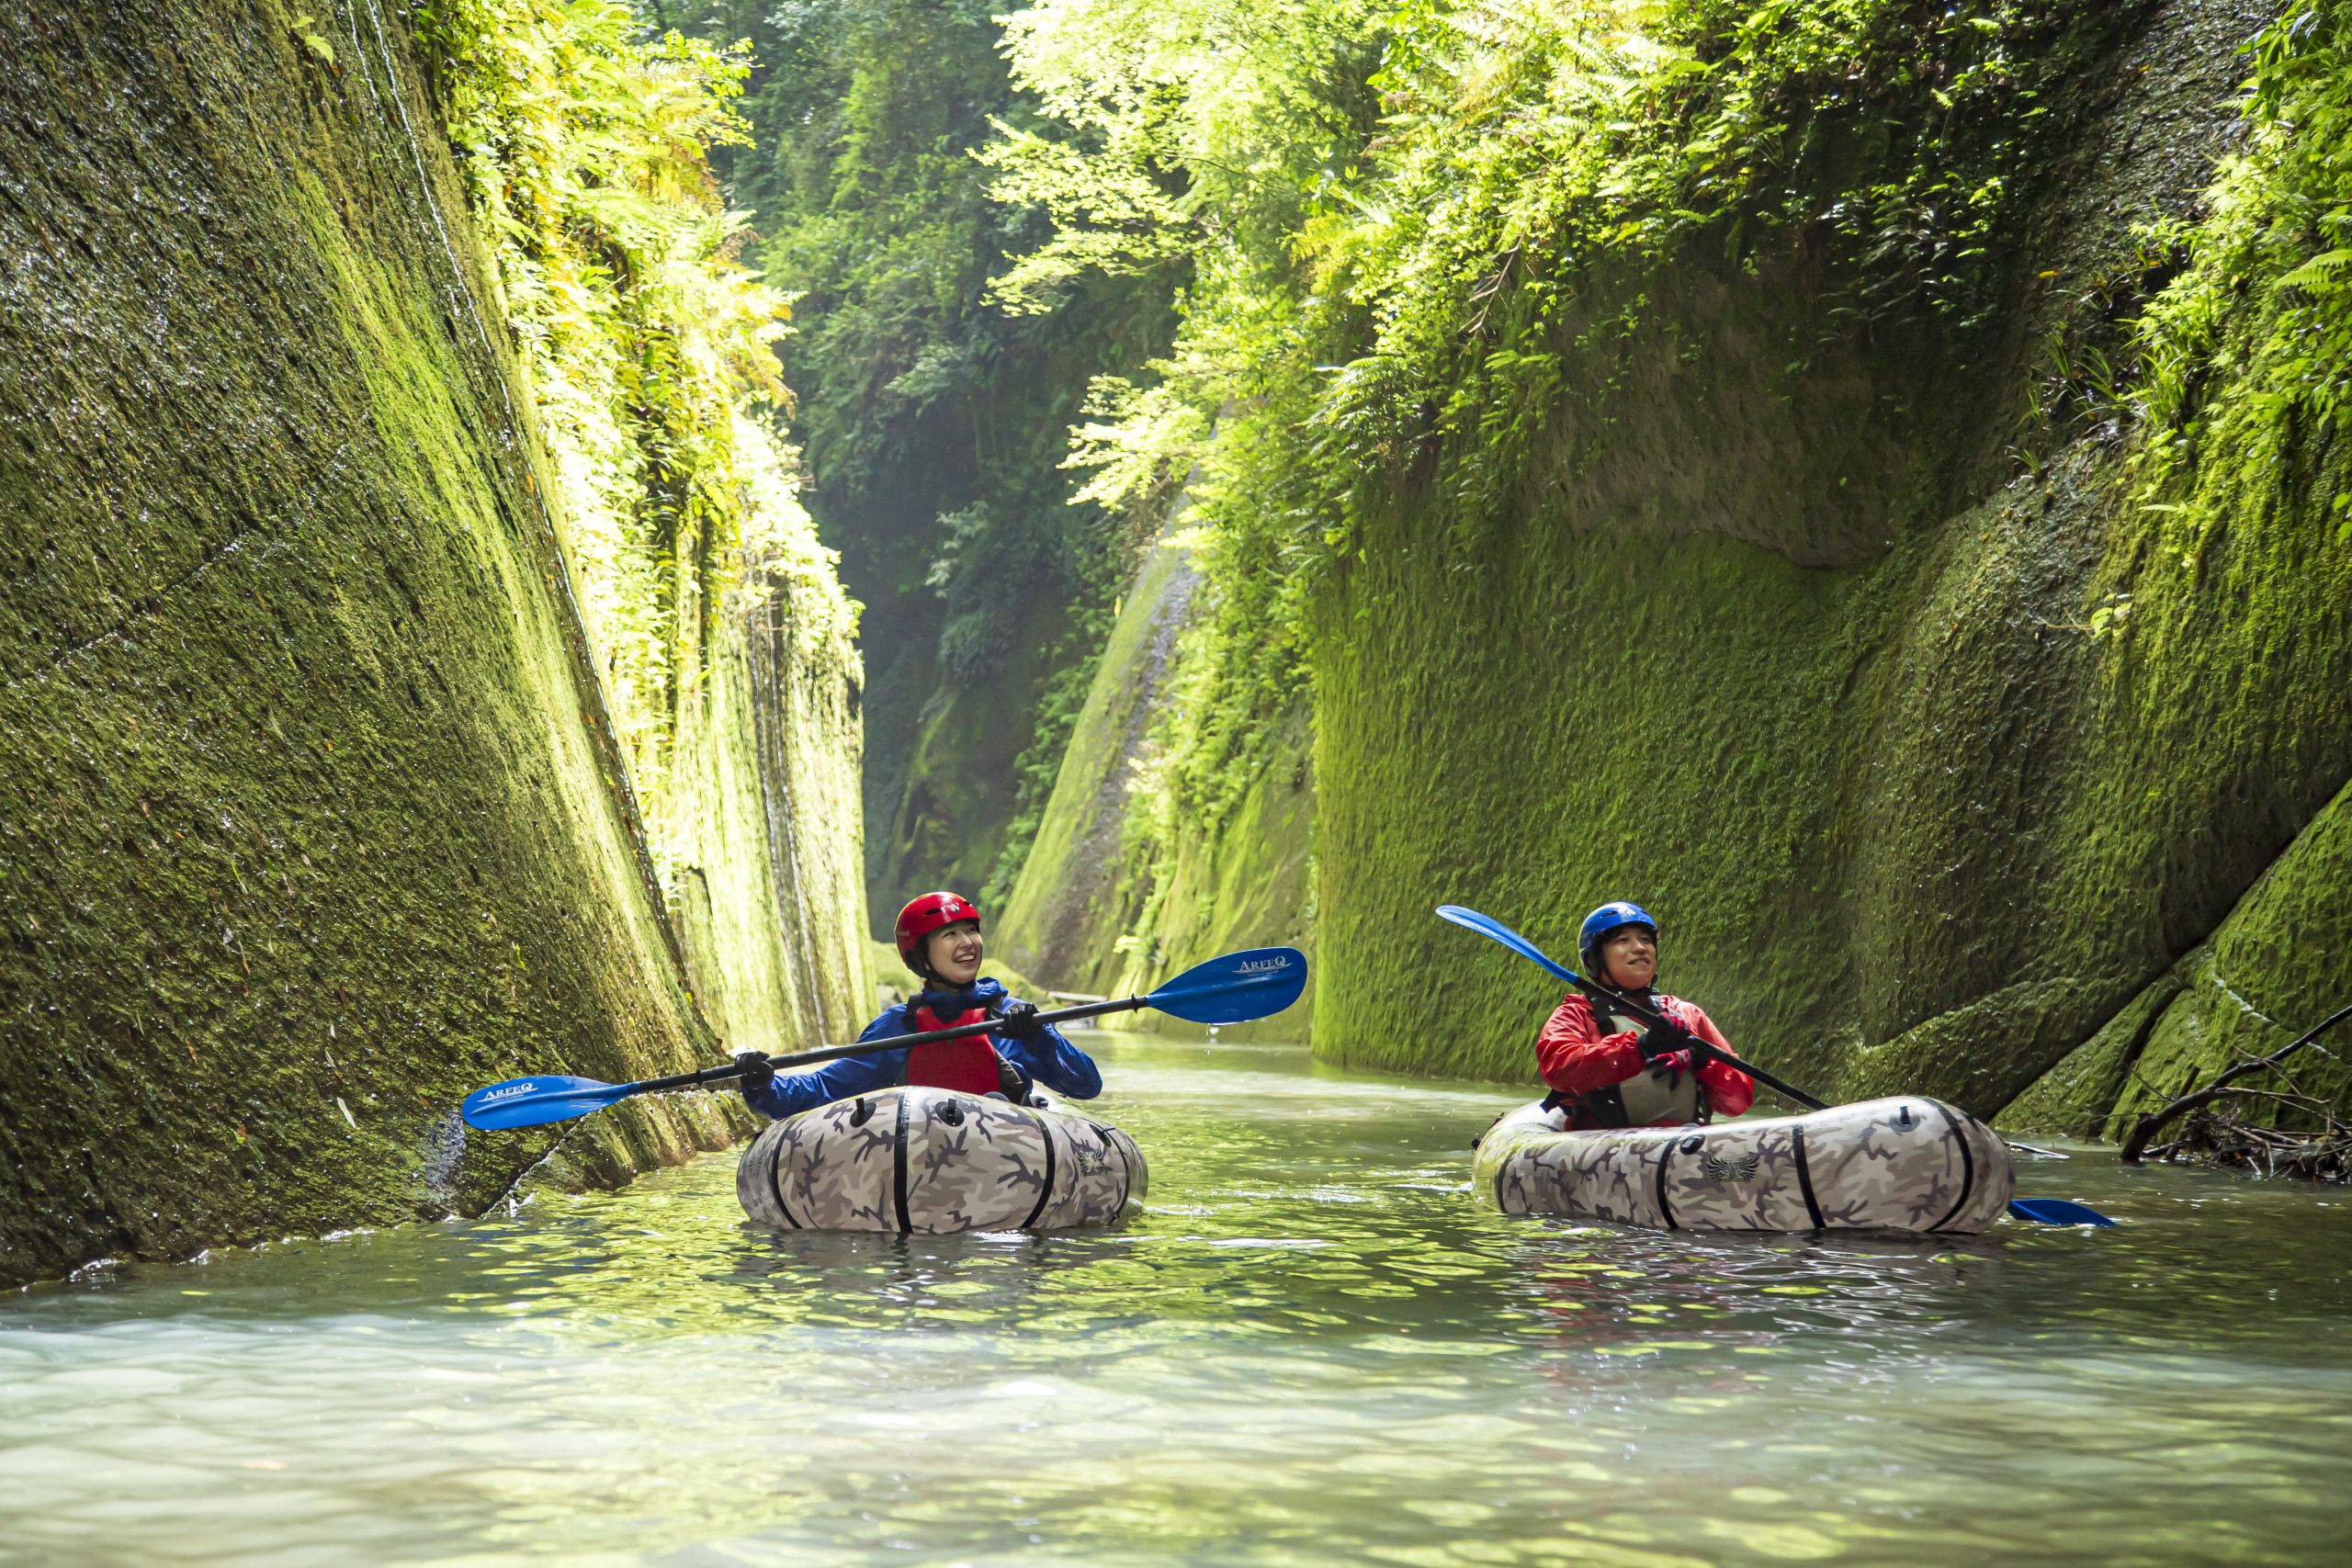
(1773,640)
(312,814)
(761,863)
(1865,479)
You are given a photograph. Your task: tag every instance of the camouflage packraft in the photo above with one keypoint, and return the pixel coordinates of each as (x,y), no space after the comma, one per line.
(934,1160)
(1903,1163)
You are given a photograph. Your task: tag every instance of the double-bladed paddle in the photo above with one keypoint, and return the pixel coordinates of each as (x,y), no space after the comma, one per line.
(1235,988)
(2041,1211)
(1487,926)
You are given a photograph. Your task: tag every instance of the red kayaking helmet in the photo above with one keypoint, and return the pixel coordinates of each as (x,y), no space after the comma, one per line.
(927,914)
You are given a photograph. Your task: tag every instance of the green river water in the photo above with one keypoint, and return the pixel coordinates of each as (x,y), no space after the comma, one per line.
(1313,1347)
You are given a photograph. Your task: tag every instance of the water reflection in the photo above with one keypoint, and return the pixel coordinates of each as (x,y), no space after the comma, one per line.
(1313,1347)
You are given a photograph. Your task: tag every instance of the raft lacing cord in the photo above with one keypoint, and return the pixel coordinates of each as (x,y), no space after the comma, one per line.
(776,1185)
(1804,1177)
(1665,1209)
(1127,1175)
(609,743)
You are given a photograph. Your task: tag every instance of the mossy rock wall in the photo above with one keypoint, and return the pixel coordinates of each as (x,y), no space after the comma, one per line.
(2273,967)
(1103,906)
(764,884)
(1774,638)
(307,822)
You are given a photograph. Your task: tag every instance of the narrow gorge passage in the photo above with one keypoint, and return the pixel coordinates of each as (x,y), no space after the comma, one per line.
(1312,1347)
(529,528)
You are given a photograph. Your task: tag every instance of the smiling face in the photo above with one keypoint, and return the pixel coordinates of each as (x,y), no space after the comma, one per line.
(1629,957)
(954,952)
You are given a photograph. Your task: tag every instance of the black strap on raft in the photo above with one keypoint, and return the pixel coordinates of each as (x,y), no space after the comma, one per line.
(1127,1172)
(899,1171)
(1665,1207)
(1804,1177)
(1967,1167)
(1045,1183)
(775,1183)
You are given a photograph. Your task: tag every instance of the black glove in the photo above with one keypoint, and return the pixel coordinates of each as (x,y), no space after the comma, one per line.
(1666,1037)
(1018,1020)
(757,1073)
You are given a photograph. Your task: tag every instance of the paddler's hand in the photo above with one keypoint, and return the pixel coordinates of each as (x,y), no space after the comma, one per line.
(1668,1038)
(1018,1021)
(756,1072)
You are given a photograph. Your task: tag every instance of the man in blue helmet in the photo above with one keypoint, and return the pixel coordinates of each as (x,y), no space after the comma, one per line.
(1611,1071)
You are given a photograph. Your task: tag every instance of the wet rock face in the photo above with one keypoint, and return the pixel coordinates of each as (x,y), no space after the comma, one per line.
(1778,640)
(1111,898)
(307,820)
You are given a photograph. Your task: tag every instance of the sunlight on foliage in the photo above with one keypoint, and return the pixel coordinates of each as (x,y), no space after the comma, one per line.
(1390,228)
(646,341)
(2215,375)
(932,423)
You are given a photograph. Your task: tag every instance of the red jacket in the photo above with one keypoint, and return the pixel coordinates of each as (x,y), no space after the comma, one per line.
(1575,1057)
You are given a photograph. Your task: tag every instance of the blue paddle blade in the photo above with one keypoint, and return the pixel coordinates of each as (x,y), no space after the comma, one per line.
(532,1102)
(1235,988)
(1487,926)
(2057,1212)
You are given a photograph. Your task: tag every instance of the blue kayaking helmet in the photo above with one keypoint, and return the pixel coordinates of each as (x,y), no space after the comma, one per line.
(1600,922)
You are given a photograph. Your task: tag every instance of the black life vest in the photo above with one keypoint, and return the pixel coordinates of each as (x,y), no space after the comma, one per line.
(1661,1096)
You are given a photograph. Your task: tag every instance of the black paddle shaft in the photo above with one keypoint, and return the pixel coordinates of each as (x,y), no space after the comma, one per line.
(1652,1017)
(894,1043)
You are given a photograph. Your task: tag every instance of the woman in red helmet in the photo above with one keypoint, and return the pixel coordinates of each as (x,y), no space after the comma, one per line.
(1611,1071)
(939,936)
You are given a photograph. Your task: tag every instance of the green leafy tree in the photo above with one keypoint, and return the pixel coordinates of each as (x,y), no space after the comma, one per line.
(651,346)
(932,420)
(1407,221)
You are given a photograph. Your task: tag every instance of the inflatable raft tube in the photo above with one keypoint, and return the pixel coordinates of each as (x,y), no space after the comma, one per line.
(932,1161)
(1906,1162)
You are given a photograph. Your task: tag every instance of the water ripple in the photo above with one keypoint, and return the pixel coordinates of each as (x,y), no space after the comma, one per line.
(1313,1347)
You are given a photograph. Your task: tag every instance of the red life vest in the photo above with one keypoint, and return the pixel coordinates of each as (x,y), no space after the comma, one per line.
(966,1066)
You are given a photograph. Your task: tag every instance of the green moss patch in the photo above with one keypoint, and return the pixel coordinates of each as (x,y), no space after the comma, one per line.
(311,818)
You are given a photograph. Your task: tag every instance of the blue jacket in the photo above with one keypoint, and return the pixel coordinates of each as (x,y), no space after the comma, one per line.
(1049,1058)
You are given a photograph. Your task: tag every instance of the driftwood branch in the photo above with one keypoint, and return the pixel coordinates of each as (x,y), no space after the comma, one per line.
(2149,1124)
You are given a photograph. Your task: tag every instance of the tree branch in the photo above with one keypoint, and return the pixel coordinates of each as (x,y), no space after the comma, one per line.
(2145,1128)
